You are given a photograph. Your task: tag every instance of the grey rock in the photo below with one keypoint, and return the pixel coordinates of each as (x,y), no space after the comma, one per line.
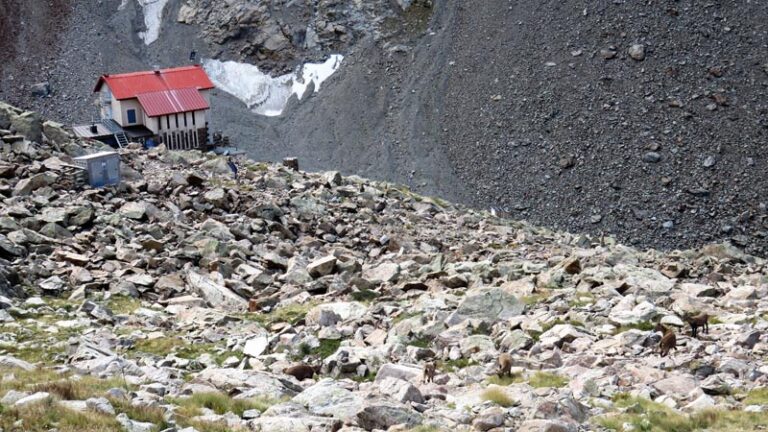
(637,52)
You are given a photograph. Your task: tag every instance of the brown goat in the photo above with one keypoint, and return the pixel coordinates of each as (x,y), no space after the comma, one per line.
(668,339)
(429,372)
(301,371)
(696,321)
(505,365)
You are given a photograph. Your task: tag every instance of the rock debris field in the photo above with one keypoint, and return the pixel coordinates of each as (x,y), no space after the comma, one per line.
(183,300)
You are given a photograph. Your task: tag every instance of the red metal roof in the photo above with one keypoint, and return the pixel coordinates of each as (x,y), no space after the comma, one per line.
(172,101)
(129,85)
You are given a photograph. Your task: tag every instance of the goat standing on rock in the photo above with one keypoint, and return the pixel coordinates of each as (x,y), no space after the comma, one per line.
(668,339)
(696,321)
(429,372)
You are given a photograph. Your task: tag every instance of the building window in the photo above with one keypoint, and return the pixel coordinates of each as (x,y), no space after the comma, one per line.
(185,119)
(193,118)
(168,121)
(131,116)
(177,120)
(159,123)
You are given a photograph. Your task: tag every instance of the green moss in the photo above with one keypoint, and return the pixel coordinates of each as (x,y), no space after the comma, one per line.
(546,379)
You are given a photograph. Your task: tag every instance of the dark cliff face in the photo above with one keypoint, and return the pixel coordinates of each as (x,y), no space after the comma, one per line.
(9,27)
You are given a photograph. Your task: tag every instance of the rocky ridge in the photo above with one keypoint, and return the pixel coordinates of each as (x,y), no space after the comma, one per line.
(277,35)
(178,300)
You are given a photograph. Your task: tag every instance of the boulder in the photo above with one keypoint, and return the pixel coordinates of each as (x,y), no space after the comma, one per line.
(322,267)
(32,399)
(28,185)
(30,125)
(55,132)
(382,273)
(217,296)
(490,304)
(400,390)
(384,415)
(256,345)
(411,373)
(132,425)
(252,383)
(329,314)
(134,210)
(328,398)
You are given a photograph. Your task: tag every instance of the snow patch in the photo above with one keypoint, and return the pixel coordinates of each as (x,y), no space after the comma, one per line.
(153,18)
(262,93)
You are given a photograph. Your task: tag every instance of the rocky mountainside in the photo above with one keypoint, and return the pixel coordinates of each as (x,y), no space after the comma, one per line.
(292,301)
(644,120)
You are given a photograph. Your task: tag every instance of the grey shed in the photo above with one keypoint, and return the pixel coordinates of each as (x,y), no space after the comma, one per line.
(103,168)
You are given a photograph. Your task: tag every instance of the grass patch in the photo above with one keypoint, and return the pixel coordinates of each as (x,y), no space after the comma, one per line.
(123,305)
(497,396)
(757,396)
(180,348)
(642,325)
(141,413)
(454,365)
(65,386)
(420,342)
(404,316)
(218,403)
(425,428)
(534,298)
(546,379)
(47,415)
(79,389)
(505,380)
(582,300)
(292,314)
(364,295)
(327,347)
(369,377)
(648,416)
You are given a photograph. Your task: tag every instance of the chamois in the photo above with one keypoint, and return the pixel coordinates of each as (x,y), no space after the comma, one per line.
(301,371)
(668,339)
(505,365)
(696,321)
(429,372)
